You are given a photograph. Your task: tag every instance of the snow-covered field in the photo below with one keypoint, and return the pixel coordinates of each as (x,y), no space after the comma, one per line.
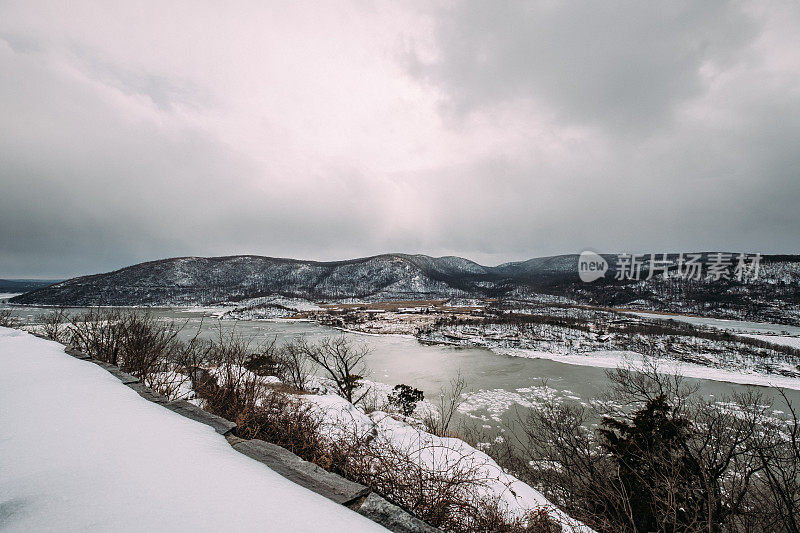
(7,295)
(784,340)
(740,326)
(81,452)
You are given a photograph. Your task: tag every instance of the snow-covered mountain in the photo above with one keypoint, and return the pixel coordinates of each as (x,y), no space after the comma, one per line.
(203,280)
(775,295)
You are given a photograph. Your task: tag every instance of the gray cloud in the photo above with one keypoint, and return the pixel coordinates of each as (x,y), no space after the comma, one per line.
(624,65)
(493,131)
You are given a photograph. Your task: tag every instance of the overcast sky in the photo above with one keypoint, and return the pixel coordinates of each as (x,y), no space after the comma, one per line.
(327,130)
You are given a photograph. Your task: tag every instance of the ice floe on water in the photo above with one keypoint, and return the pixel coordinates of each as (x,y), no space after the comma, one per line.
(496,402)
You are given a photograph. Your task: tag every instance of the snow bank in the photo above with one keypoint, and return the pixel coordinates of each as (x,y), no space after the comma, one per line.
(79,451)
(342,419)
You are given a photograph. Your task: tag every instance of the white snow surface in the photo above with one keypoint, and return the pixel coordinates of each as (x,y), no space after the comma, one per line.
(784,340)
(81,452)
(341,418)
(7,295)
(737,326)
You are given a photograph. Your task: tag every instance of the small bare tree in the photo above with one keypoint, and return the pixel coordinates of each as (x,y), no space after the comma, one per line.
(343,361)
(294,364)
(450,398)
(54,324)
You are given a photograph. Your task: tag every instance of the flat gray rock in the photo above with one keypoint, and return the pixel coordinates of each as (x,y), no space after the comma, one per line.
(190,410)
(124,377)
(392,517)
(304,473)
(76,353)
(147,393)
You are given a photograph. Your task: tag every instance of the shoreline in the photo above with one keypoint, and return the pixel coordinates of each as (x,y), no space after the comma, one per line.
(598,359)
(614,359)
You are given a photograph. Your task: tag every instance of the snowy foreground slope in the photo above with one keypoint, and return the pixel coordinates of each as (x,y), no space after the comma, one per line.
(81,452)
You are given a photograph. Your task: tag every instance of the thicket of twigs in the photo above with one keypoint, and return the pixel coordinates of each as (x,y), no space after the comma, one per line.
(7,319)
(669,460)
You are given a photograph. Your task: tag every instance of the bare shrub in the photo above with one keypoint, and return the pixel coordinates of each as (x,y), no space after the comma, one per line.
(54,324)
(665,459)
(175,377)
(142,345)
(230,390)
(289,363)
(135,341)
(172,384)
(289,422)
(98,332)
(8,319)
(450,398)
(375,401)
(437,481)
(147,343)
(260,410)
(294,364)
